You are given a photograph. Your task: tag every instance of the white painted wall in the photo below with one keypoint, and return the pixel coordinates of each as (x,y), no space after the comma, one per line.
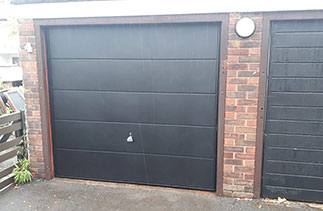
(153,7)
(10,73)
(9,48)
(6,59)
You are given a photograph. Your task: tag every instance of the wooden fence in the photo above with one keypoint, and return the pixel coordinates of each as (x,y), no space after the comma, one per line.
(12,128)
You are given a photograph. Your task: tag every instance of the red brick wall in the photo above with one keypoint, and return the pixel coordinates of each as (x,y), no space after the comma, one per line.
(31,85)
(243,63)
(241,109)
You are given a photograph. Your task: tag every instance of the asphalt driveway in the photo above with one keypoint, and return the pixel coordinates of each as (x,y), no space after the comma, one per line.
(63,194)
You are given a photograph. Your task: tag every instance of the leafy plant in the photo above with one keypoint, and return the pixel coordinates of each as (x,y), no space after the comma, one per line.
(21,172)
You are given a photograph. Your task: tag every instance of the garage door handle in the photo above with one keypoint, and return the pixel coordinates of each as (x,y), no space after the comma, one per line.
(130,138)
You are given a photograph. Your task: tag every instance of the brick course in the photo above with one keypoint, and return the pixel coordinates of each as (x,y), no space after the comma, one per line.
(242,65)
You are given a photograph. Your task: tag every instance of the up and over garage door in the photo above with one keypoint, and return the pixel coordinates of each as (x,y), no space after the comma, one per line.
(135,103)
(293,141)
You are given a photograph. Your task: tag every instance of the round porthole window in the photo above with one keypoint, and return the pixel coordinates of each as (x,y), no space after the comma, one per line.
(245,27)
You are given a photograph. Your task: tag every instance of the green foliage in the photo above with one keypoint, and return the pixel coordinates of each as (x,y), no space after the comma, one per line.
(21,172)
(11,25)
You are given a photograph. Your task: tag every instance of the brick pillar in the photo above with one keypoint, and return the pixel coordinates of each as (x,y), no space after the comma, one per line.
(241,108)
(30,81)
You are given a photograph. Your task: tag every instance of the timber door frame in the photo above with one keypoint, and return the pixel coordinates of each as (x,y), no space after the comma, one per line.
(268,18)
(40,26)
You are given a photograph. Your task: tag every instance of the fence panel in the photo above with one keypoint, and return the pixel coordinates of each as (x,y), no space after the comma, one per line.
(11,135)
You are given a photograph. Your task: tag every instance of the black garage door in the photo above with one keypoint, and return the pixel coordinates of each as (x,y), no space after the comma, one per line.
(293,142)
(154,83)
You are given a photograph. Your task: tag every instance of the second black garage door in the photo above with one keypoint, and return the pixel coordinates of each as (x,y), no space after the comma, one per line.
(293,142)
(153,83)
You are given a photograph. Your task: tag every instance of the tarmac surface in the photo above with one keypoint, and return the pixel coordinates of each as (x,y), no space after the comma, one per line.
(79,195)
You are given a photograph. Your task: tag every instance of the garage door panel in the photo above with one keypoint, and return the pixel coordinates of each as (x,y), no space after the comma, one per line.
(294,127)
(294,169)
(296,85)
(292,193)
(296,141)
(305,70)
(182,141)
(100,166)
(299,39)
(293,146)
(305,26)
(295,113)
(115,41)
(135,107)
(160,40)
(295,99)
(96,136)
(282,55)
(186,109)
(179,172)
(276,154)
(292,181)
(158,82)
(184,76)
(151,139)
(155,41)
(99,106)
